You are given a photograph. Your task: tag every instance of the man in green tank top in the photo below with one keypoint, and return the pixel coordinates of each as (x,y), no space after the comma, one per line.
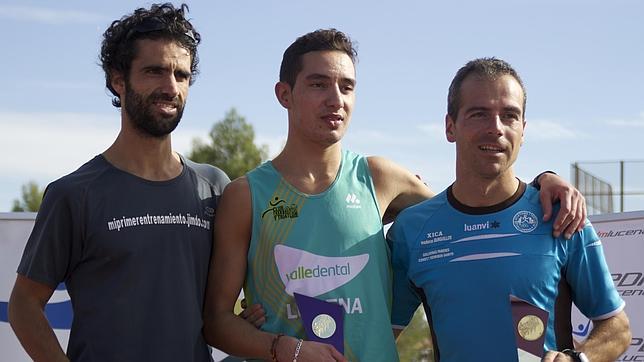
(310,222)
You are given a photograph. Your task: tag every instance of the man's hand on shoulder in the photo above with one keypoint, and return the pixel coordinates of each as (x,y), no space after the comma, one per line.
(572,213)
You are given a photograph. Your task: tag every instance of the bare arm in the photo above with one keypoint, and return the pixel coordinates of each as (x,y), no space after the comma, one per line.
(572,213)
(607,341)
(396,187)
(222,328)
(27,318)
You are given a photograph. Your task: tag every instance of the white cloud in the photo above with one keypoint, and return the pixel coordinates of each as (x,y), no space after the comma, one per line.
(40,145)
(435,130)
(634,123)
(544,130)
(48,16)
(58,85)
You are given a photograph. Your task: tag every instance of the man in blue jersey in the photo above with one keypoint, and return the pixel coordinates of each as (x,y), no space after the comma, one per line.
(481,243)
(315,207)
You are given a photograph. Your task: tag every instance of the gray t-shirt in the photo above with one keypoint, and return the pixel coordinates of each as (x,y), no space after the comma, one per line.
(134,255)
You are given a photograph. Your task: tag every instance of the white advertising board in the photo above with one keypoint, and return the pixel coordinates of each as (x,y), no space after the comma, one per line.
(622,237)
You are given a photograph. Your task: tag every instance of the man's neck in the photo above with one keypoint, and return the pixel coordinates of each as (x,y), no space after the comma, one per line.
(481,191)
(147,157)
(308,168)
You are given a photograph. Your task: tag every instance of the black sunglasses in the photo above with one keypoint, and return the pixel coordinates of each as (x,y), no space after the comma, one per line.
(154,24)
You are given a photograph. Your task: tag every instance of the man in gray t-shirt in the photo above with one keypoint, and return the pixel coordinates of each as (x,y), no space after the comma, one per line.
(129,232)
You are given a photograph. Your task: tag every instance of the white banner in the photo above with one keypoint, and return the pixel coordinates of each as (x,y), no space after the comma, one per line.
(622,236)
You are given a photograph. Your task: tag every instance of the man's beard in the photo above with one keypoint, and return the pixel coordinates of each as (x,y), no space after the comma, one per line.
(140,112)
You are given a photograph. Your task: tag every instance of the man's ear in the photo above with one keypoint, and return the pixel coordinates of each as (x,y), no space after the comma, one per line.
(117,81)
(284,94)
(449,129)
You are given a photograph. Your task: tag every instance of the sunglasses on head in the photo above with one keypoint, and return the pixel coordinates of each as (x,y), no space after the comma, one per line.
(155,24)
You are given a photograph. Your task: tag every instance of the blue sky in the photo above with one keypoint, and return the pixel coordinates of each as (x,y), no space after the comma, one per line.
(582,63)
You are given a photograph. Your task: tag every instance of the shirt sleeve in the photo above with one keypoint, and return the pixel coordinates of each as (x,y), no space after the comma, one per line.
(592,287)
(54,246)
(405,298)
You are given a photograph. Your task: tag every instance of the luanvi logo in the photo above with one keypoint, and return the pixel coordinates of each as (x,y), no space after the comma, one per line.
(311,274)
(482,226)
(281,210)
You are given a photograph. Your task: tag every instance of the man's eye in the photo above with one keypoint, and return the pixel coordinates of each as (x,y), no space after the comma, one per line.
(478,115)
(182,77)
(511,116)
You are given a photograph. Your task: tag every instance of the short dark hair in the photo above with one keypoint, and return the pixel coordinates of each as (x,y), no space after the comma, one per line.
(161,21)
(485,68)
(319,40)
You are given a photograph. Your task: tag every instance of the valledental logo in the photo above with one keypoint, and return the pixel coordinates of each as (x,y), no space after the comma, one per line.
(482,226)
(525,221)
(353,202)
(310,274)
(280,210)
(319,271)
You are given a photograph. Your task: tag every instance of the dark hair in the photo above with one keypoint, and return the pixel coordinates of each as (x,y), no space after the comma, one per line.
(485,68)
(319,40)
(161,21)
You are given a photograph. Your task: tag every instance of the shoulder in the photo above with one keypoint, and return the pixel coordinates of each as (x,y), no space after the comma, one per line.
(379,164)
(387,173)
(77,182)
(238,185)
(237,194)
(215,176)
(423,210)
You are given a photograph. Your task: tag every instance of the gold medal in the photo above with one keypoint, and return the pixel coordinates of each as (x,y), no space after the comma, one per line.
(323,326)
(530,327)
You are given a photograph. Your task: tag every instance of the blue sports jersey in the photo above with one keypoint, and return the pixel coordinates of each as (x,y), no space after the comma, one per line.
(466,262)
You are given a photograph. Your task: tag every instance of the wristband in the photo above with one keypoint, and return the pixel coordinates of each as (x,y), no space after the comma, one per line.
(576,355)
(297,350)
(274,346)
(535,183)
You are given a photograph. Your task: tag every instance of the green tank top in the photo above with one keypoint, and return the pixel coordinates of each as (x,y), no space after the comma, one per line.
(329,246)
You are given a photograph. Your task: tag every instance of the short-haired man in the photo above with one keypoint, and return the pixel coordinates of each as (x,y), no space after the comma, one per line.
(130,231)
(315,206)
(481,242)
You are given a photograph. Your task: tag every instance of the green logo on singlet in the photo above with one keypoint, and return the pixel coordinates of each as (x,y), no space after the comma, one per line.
(280,210)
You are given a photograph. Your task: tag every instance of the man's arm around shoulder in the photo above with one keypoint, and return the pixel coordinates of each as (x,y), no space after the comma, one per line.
(396,187)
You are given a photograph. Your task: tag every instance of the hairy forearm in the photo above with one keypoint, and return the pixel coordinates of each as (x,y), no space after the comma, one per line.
(233,335)
(608,339)
(28,322)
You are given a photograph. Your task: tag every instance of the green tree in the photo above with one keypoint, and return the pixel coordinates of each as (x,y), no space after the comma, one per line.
(31,198)
(231,146)
(414,343)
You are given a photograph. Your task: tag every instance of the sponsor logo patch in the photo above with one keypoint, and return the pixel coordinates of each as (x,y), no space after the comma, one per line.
(310,274)
(525,221)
